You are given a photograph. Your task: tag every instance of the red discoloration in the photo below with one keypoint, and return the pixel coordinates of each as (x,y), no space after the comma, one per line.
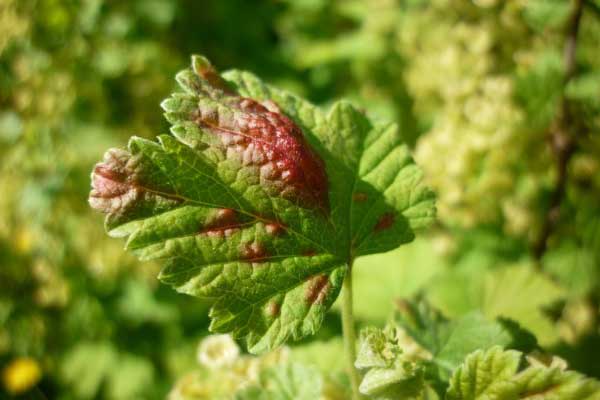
(208,72)
(224,224)
(226,216)
(113,182)
(108,183)
(309,253)
(317,289)
(274,229)
(385,222)
(262,136)
(118,188)
(273,309)
(253,252)
(220,232)
(359,197)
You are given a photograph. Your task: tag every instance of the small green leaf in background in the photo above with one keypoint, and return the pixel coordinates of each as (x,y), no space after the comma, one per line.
(285,382)
(441,345)
(388,372)
(517,292)
(91,366)
(449,342)
(494,374)
(259,200)
(85,376)
(396,277)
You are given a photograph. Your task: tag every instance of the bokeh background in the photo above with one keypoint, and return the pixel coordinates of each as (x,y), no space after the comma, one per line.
(475,85)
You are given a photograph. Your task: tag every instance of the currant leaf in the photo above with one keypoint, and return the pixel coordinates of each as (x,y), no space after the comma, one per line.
(494,374)
(259,200)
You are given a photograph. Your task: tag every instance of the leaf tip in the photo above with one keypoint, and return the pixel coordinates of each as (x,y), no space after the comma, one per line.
(201,64)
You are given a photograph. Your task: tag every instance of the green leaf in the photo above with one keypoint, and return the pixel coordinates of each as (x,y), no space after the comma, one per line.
(130,378)
(404,380)
(521,294)
(259,200)
(574,267)
(378,348)
(287,382)
(545,14)
(91,367)
(449,342)
(538,89)
(494,375)
(471,332)
(327,356)
(517,292)
(396,277)
(82,375)
(389,374)
(422,323)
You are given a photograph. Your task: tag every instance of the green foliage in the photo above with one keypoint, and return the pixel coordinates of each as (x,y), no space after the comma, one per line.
(421,349)
(449,342)
(475,88)
(388,373)
(515,292)
(124,376)
(478,368)
(494,374)
(287,382)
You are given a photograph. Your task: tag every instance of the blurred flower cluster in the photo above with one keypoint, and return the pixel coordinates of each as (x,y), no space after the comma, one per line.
(223,371)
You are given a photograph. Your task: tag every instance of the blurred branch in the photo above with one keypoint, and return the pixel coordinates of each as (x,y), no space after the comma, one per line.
(562,133)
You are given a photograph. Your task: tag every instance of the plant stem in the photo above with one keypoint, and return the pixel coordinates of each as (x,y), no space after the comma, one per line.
(562,134)
(349,334)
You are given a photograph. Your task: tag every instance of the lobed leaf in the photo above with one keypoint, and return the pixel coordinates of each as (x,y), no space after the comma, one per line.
(259,200)
(449,342)
(285,382)
(494,375)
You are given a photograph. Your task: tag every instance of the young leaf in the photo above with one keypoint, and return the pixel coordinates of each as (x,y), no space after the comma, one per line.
(516,292)
(389,374)
(259,200)
(449,342)
(287,382)
(494,375)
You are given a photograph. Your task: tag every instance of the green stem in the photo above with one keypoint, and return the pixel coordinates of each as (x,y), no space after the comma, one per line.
(349,334)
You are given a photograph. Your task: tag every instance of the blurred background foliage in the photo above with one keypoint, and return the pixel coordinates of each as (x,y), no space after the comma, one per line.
(475,85)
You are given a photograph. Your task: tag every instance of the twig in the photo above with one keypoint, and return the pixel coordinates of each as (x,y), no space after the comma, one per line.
(561,134)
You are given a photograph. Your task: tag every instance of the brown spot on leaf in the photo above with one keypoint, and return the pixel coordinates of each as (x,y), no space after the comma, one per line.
(273,309)
(274,228)
(359,197)
(385,222)
(317,289)
(220,232)
(226,216)
(309,253)
(253,252)
(223,224)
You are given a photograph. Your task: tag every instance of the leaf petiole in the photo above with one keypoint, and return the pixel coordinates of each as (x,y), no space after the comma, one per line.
(349,332)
